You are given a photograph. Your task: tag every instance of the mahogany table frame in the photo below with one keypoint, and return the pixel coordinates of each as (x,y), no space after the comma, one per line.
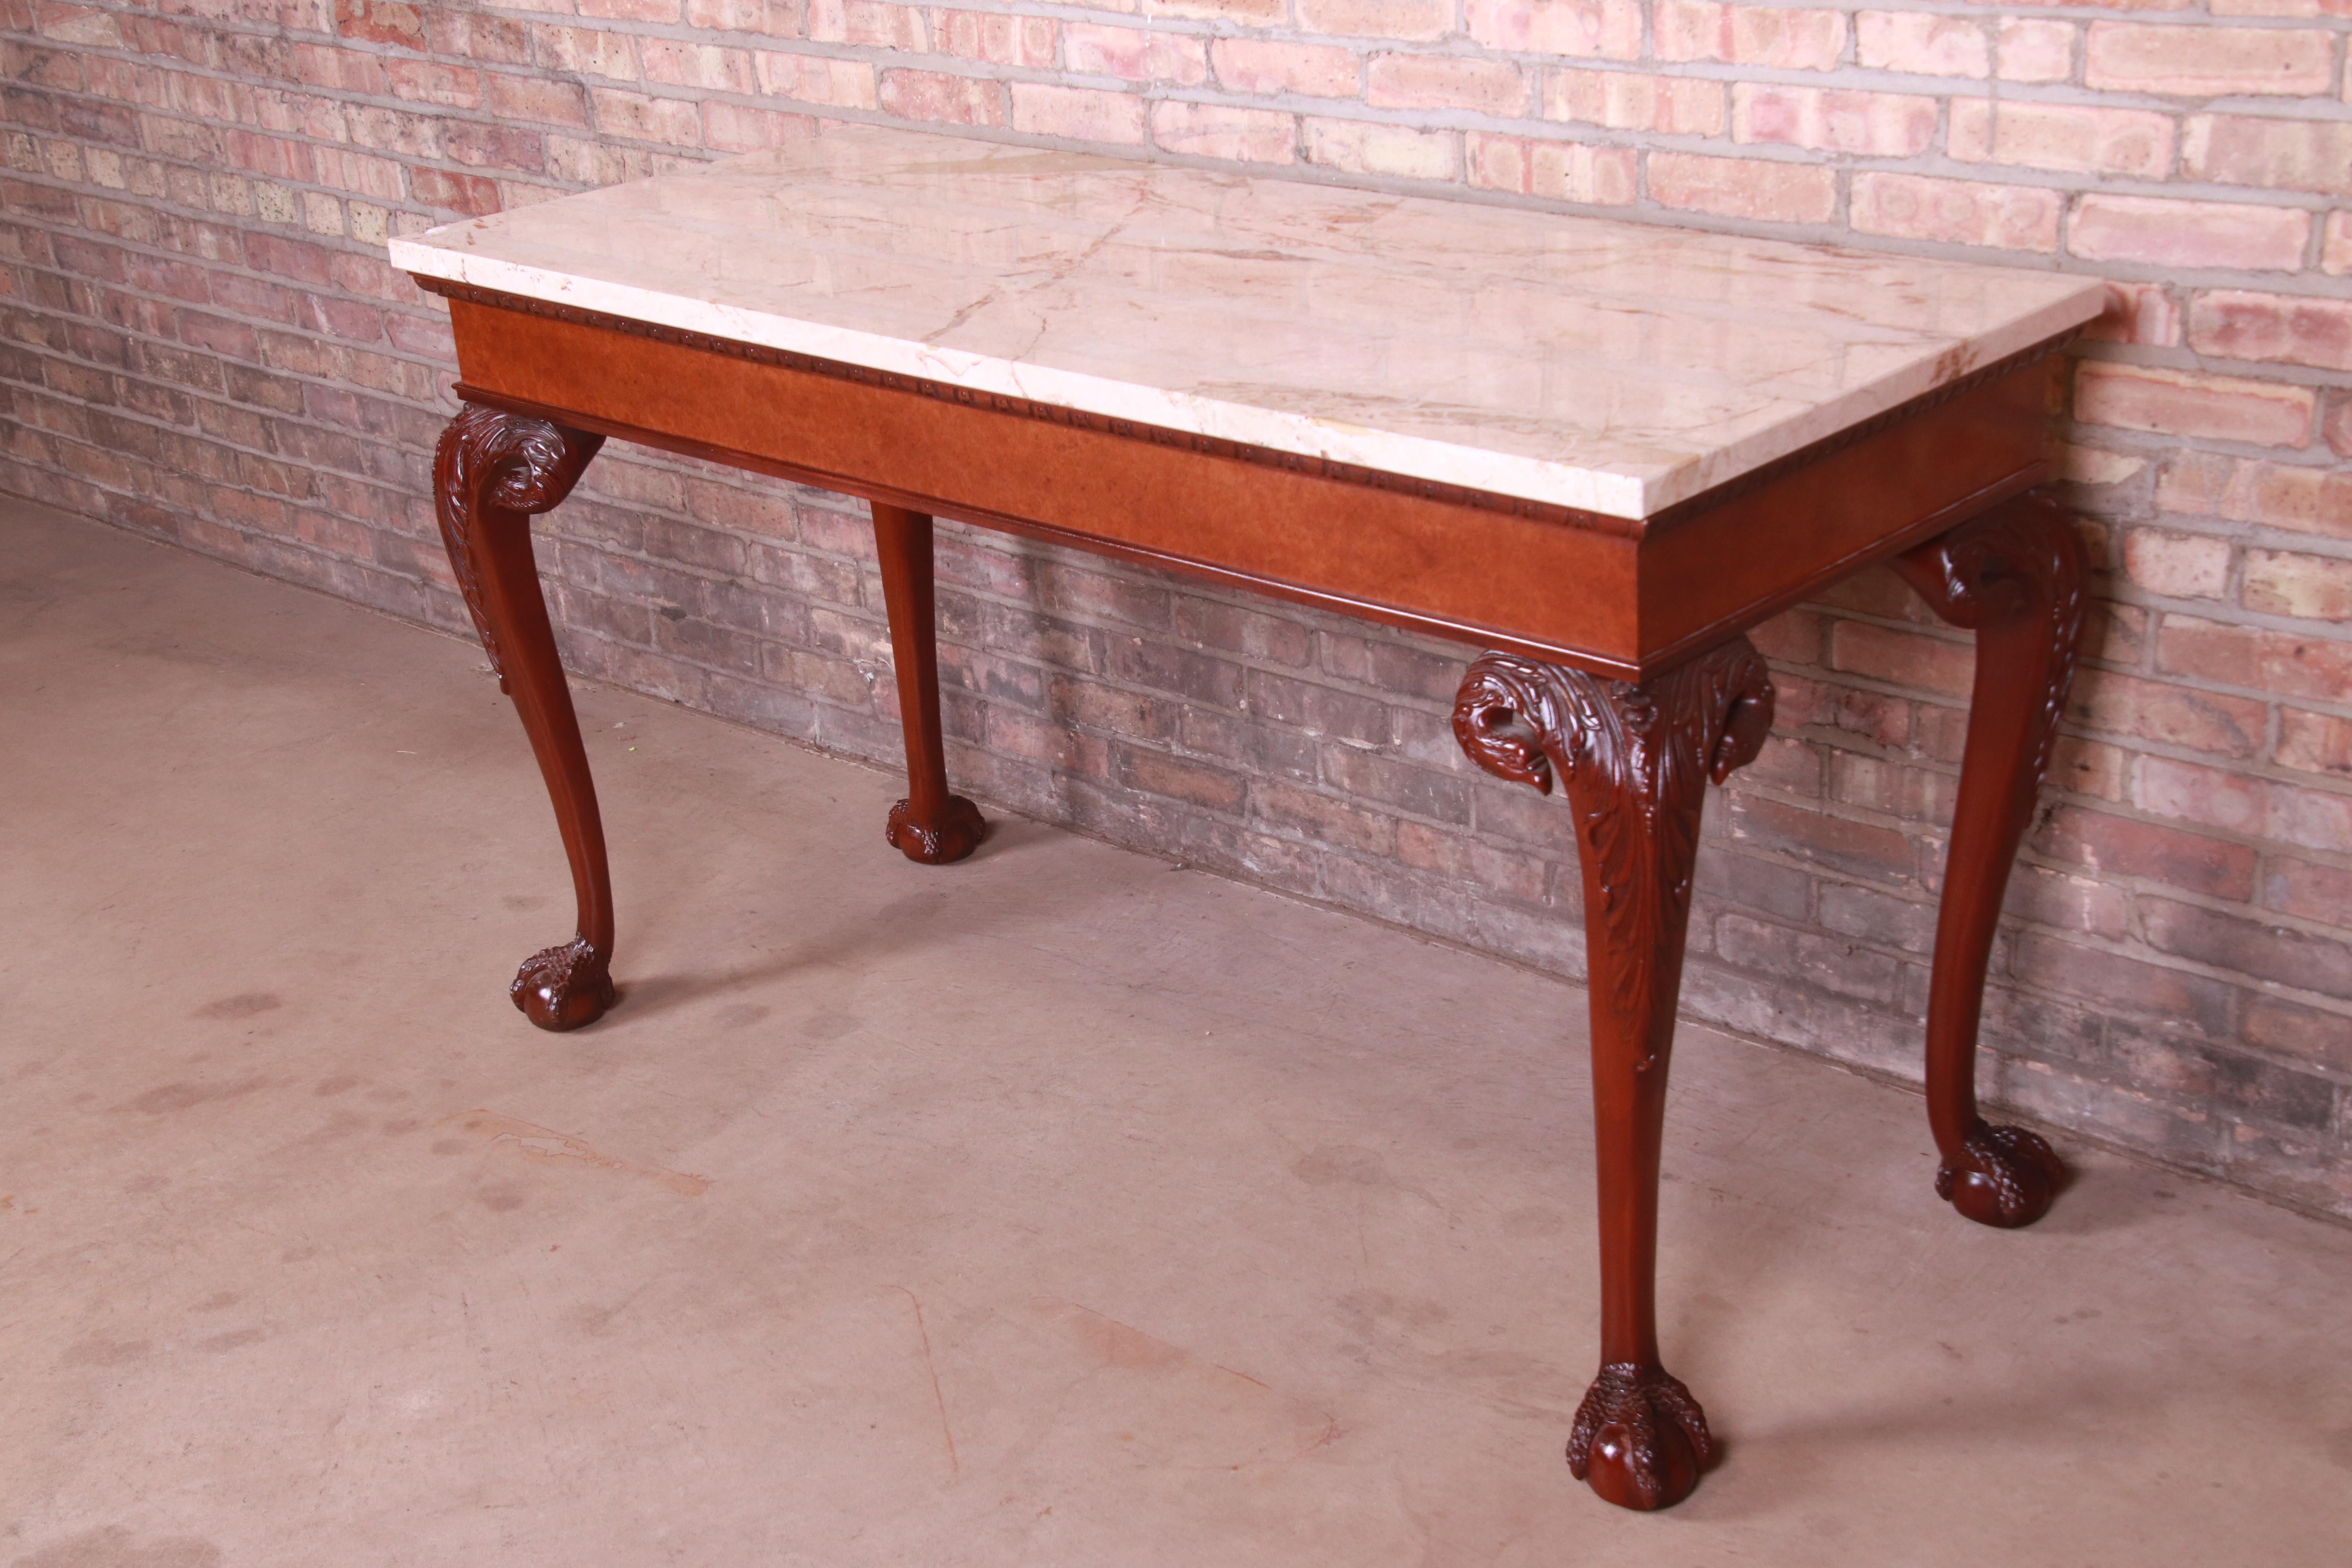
(1617,666)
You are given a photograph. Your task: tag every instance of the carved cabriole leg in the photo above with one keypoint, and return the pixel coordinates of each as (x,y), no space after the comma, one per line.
(1636,761)
(931,825)
(492,472)
(2014,575)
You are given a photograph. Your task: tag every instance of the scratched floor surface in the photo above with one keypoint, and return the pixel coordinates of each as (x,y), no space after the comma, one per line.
(1057,1208)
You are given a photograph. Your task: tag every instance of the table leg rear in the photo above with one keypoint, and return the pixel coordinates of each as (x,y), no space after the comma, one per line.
(2015,575)
(492,472)
(1636,761)
(931,826)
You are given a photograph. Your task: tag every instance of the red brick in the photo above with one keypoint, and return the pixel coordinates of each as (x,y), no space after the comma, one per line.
(2188,234)
(1420,20)
(476,37)
(2336,255)
(2313,819)
(1828,964)
(1081,113)
(1635,100)
(1561,171)
(2116,846)
(2062,136)
(1257,65)
(675,64)
(546,102)
(818,78)
(1922,44)
(2277,154)
(1884,784)
(1749,35)
(325,65)
(2082,464)
(1243,13)
(1211,130)
(270,155)
(2176,715)
(629,10)
(1135,54)
(2314,743)
(2308,499)
(246,296)
(86,24)
(639,116)
(1321,816)
(2195,61)
(1231,628)
(1744,187)
(2238,324)
(2175,403)
(433,82)
(2257,657)
(1367,775)
(1604,30)
(467,193)
(2138,313)
(1875,124)
(2309,587)
(1957,212)
(2222,940)
(933,95)
(2035,50)
(1906,658)
(870,23)
(587,50)
(2311,890)
(735,127)
(2204,797)
(1886,720)
(2280,7)
(480,146)
(287,257)
(1362,147)
(2170,1059)
(995,36)
(1443,81)
(1161,774)
(1857,848)
(2178,566)
(1514,876)
(2070,903)
(2290,1029)
(380,22)
(776,18)
(2336,423)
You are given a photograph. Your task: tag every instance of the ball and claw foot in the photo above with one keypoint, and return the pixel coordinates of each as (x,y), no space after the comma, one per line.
(2005,1177)
(1640,1439)
(956,835)
(561,988)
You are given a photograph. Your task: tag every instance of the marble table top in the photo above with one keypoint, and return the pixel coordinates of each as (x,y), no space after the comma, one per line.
(1611,366)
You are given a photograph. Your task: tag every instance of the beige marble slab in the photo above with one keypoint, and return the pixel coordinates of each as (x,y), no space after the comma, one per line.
(1612,367)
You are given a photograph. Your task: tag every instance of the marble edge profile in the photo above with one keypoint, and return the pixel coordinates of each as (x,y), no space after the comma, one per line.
(1610,492)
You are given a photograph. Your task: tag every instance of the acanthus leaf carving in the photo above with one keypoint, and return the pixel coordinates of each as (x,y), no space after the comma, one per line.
(2021,559)
(492,461)
(1636,761)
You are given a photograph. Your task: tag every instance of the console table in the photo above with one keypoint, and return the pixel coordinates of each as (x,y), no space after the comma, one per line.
(1598,450)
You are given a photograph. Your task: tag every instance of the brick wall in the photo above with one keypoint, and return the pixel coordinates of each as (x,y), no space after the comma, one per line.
(203,343)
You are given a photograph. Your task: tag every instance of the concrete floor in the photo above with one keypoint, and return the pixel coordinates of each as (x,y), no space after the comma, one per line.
(1056,1209)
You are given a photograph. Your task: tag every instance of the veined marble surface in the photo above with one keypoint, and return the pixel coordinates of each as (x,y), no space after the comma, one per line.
(1612,367)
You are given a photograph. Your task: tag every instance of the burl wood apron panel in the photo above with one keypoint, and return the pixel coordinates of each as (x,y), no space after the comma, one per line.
(1712,567)
(1567,586)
